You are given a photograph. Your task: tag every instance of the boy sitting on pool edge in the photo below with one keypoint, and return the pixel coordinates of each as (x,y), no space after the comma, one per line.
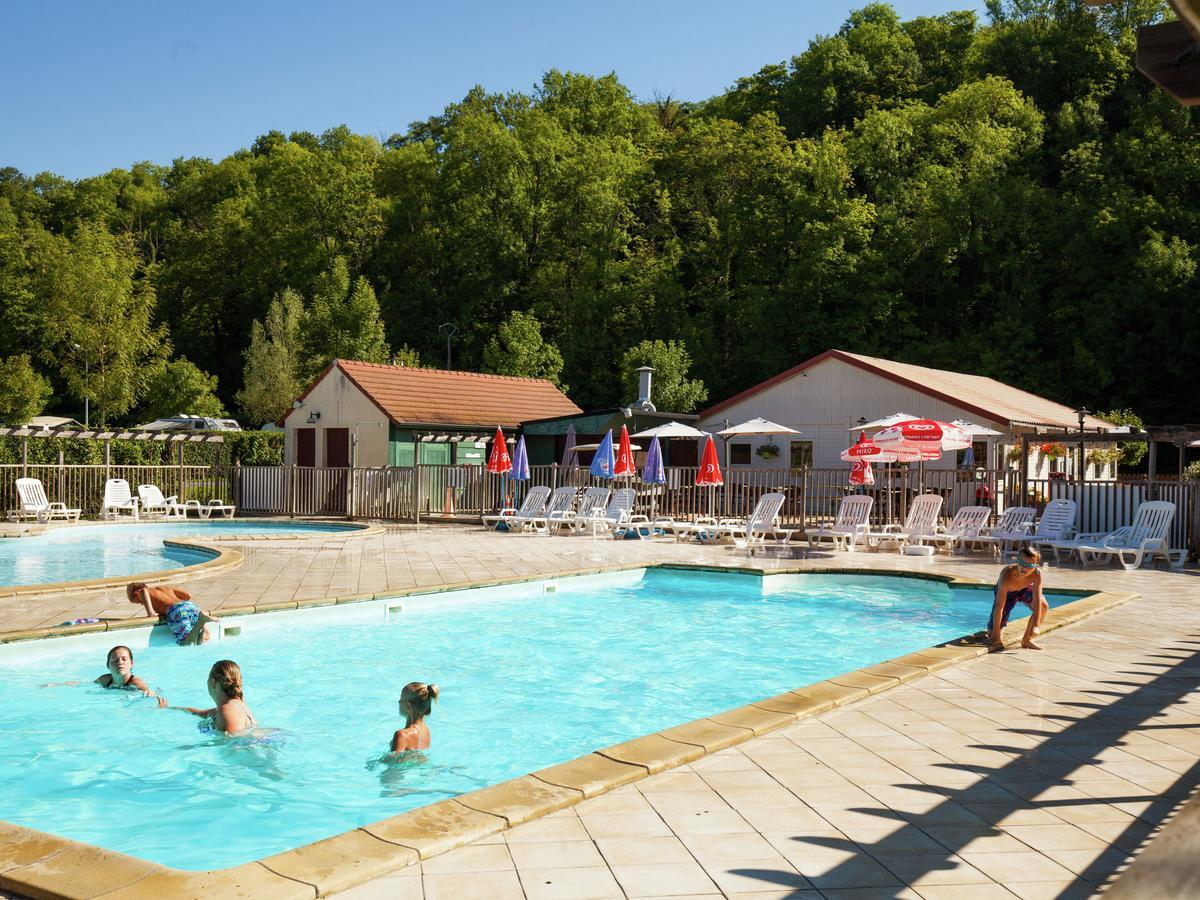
(188,623)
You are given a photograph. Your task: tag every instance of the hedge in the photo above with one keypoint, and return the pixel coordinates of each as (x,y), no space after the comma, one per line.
(249,448)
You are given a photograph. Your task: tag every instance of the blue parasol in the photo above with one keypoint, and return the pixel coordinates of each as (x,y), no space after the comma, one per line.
(520,462)
(653,471)
(604,463)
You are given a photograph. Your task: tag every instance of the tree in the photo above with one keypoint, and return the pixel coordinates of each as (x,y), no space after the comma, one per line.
(1133,452)
(180,387)
(23,391)
(518,349)
(342,323)
(99,324)
(673,390)
(271,378)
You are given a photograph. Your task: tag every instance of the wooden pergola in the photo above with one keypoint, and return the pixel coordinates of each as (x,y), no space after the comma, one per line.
(1179,435)
(158,437)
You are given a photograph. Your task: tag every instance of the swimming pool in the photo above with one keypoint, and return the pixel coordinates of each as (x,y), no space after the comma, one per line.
(112,551)
(531,675)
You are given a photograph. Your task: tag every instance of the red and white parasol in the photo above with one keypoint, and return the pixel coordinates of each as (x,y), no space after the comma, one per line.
(867,450)
(499,463)
(624,464)
(709,473)
(861,473)
(927,436)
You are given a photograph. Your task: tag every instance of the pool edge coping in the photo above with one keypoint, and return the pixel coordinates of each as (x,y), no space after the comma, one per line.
(224,558)
(41,864)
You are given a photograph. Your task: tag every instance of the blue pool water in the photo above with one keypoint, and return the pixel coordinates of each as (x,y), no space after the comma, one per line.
(528,679)
(110,551)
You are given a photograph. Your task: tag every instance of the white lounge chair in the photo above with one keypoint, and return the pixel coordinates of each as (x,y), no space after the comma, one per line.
(921,519)
(752,531)
(965,526)
(532,506)
(1146,538)
(206,510)
(155,504)
(558,511)
(118,499)
(618,513)
(592,504)
(1011,529)
(35,504)
(853,519)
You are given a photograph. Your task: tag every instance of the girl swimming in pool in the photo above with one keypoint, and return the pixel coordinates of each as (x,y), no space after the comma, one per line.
(1019,583)
(231,715)
(416,702)
(120,674)
(188,623)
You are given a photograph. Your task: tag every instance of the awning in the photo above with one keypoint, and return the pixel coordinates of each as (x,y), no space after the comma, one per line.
(447,438)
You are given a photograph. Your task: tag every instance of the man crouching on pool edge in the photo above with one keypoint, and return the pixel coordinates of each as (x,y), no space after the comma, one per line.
(1019,583)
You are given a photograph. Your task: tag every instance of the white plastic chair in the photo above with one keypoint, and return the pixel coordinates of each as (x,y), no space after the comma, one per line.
(118,499)
(557,512)
(35,504)
(752,530)
(853,519)
(531,507)
(154,503)
(618,513)
(1146,538)
(592,504)
(1012,528)
(921,519)
(965,526)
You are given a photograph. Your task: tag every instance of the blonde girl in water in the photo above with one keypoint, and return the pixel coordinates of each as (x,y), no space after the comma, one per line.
(231,715)
(416,702)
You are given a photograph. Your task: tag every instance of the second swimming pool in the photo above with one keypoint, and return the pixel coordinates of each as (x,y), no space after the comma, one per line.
(530,676)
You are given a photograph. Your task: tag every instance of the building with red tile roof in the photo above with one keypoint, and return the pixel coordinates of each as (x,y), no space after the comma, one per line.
(370,414)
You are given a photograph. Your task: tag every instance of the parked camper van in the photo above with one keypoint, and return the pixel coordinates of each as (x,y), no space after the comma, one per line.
(190,423)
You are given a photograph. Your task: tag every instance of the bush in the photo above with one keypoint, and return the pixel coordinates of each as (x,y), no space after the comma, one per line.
(249,448)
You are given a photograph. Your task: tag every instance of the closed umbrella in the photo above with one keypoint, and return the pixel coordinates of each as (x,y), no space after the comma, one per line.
(568,457)
(624,460)
(520,462)
(653,472)
(709,473)
(499,462)
(604,462)
(861,473)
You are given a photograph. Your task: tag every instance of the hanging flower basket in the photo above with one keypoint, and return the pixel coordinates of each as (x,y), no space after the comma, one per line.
(1053,451)
(1014,454)
(767,451)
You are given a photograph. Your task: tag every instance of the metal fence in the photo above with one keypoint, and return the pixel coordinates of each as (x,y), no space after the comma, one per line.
(415,493)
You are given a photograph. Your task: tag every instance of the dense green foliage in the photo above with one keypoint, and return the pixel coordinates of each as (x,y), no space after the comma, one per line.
(1009,198)
(248,448)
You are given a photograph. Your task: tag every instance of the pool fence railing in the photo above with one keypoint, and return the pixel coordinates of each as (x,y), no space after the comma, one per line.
(435,492)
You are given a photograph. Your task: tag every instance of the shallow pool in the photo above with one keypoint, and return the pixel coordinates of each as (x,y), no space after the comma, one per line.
(529,678)
(111,551)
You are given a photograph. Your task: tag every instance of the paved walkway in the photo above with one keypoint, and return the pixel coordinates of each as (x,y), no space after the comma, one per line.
(1019,774)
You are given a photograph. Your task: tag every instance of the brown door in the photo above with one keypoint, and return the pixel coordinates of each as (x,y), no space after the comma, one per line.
(306,446)
(337,448)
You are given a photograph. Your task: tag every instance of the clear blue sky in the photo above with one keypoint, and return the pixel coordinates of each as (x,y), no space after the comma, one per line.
(90,85)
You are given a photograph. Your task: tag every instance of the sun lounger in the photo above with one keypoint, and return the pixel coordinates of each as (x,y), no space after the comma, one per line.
(514,519)
(750,532)
(1012,528)
(207,510)
(592,504)
(853,519)
(35,504)
(155,504)
(618,514)
(965,525)
(558,511)
(921,519)
(1147,538)
(118,499)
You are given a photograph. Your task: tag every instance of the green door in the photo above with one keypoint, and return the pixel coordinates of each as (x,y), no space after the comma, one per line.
(434,454)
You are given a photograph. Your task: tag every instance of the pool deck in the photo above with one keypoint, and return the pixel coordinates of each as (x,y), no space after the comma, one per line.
(1016,774)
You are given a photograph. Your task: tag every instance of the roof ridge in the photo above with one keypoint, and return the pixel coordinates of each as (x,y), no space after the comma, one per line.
(433,371)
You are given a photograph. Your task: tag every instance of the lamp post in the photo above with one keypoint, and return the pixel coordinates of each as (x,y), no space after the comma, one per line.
(1081,413)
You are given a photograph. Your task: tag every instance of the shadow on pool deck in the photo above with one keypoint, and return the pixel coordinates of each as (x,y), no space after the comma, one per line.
(1012,787)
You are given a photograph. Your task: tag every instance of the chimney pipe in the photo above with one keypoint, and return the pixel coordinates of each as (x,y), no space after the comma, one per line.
(644,376)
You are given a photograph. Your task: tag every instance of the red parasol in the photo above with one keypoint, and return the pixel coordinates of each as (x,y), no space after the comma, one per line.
(861,473)
(499,463)
(624,464)
(709,472)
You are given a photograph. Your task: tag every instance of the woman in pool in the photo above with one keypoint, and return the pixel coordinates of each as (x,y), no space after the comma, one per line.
(416,702)
(231,715)
(188,623)
(1019,583)
(120,674)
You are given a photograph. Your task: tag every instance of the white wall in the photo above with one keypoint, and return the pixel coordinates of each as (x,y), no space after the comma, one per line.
(341,405)
(824,402)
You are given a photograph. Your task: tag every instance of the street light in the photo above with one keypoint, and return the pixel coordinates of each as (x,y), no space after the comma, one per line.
(1082,412)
